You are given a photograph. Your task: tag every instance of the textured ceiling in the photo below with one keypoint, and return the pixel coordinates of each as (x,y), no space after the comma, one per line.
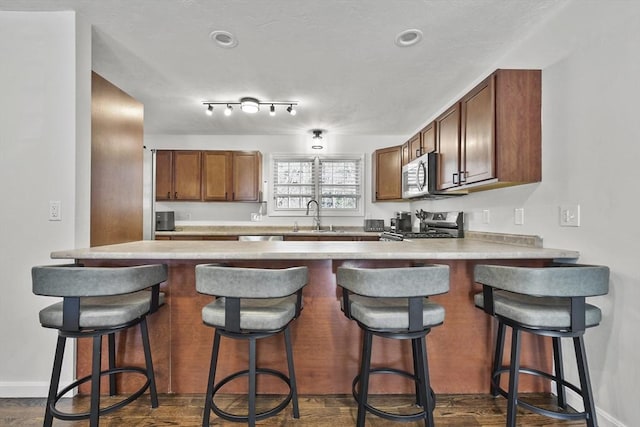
(337,58)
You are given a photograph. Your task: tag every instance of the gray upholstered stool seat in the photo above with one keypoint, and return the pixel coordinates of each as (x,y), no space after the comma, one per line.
(547,301)
(251,304)
(391,313)
(256,314)
(98,301)
(392,303)
(103,312)
(538,312)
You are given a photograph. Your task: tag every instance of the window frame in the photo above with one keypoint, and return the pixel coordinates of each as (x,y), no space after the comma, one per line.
(325,212)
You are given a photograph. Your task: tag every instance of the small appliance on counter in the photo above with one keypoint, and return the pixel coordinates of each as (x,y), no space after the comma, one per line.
(373,225)
(401,223)
(438,225)
(165,221)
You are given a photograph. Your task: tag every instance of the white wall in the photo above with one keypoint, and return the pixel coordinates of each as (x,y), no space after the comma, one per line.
(591,149)
(38,132)
(240,213)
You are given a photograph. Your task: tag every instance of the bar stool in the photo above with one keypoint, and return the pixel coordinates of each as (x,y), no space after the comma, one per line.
(253,304)
(391,303)
(547,301)
(98,301)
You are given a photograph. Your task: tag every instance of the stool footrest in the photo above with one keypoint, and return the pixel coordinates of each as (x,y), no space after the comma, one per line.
(389,415)
(85,415)
(559,414)
(261,415)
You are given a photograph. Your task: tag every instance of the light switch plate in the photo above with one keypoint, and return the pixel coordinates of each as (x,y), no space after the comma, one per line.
(518,216)
(570,215)
(486,216)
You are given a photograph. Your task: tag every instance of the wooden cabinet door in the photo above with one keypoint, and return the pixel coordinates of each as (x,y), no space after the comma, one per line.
(187,175)
(406,157)
(448,141)
(415,147)
(164,175)
(247,166)
(428,138)
(477,155)
(217,175)
(388,173)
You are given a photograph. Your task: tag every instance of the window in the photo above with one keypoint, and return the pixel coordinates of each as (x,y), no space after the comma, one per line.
(335,182)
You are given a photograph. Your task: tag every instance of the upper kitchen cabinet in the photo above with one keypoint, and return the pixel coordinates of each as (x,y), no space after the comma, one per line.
(178,175)
(233,176)
(247,176)
(415,146)
(387,173)
(448,147)
(428,139)
(498,127)
(412,149)
(217,176)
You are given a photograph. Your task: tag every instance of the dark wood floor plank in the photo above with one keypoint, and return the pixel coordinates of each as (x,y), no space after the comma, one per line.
(317,411)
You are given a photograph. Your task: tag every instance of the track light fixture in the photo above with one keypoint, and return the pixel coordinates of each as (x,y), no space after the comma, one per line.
(250,105)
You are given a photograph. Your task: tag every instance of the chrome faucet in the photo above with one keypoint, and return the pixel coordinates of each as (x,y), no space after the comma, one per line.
(316,220)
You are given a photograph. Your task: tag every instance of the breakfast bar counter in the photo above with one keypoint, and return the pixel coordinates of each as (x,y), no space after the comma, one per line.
(326,344)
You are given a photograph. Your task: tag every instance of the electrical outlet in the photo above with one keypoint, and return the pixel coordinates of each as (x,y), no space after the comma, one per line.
(486,216)
(518,216)
(54,210)
(570,216)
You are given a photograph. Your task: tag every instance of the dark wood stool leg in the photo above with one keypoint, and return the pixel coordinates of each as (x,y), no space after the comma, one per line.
(512,403)
(146,345)
(292,374)
(55,380)
(365,366)
(497,359)
(112,363)
(585,381)
(559,372)
(252,382)
(94,417)
(212,377)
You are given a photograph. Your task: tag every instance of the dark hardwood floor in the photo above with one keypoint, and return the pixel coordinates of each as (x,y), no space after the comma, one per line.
(331,411)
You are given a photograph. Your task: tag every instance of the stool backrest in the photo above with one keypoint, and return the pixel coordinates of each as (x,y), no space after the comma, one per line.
(395,282)
(557,280)
(77,281)
(237,282)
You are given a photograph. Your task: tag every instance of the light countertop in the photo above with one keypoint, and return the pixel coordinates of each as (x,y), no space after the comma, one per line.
(450,249)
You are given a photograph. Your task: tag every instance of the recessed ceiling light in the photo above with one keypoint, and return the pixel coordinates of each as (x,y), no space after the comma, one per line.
(224,39)
(408,38)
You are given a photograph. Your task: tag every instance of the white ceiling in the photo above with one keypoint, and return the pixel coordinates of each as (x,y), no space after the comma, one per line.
(337,58)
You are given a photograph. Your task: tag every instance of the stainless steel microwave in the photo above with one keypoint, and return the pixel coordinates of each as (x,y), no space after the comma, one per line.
(420,179)
(415,177)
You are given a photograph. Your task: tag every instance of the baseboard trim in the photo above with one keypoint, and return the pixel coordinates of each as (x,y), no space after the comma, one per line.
(24,389)
(604,418)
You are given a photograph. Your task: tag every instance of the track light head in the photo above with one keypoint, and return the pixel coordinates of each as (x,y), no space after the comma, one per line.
(291,110)
(228,110)
(210,110)
(272,110)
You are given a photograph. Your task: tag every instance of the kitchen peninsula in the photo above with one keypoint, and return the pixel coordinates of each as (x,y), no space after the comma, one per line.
(326,344)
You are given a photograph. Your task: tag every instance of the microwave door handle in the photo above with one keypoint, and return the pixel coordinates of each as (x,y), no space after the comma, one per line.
(421,183)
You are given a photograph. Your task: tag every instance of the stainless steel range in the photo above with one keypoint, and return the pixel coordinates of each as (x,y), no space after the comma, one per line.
(433,225)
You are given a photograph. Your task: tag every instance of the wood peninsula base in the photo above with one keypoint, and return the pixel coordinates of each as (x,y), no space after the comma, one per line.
(326,345)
